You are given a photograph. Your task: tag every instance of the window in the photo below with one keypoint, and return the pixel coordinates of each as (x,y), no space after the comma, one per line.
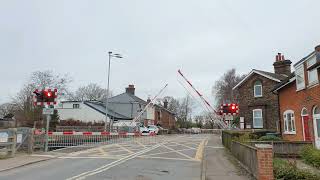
(300,77)
(289,123)
(316,116)
(312,74)
(76,106)
(304,112)
(257,118)
(257,89)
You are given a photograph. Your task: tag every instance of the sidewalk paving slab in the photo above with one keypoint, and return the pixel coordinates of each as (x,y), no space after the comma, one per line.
(218,163)
(21,160)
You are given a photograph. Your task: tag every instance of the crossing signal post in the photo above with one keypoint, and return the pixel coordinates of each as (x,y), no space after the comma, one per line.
(46,98)
(228,111)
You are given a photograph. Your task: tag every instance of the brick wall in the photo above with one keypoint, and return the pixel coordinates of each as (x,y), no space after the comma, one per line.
(164,118)
(265,162)
(290,99)
(268,103)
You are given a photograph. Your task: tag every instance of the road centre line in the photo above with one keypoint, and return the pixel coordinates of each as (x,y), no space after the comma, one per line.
(114,163)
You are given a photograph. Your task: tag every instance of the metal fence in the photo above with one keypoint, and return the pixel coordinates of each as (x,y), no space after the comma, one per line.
(247,155)
(15,139)
(89,139)
(8,142)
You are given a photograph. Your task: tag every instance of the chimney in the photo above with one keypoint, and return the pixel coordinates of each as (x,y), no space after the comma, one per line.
(130,89)
(317,50)
(148,100)
(165,104)
(282,66)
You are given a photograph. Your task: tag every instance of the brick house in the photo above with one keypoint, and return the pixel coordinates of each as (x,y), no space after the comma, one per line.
(299,101)
(160,115)
(258,105)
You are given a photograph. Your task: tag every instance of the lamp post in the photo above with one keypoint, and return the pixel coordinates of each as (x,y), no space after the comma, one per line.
(107,99)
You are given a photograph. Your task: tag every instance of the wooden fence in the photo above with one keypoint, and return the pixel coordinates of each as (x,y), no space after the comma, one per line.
(247,155)
(285,148)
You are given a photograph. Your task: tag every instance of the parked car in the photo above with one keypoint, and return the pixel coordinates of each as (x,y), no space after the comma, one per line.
(153,128)
(143,129)
(195,130)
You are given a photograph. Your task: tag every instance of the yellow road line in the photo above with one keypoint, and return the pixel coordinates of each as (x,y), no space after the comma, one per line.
(141,144)
(165,152)
(199,152)
(184,145)
(126,149)
(164,158)
(177,152)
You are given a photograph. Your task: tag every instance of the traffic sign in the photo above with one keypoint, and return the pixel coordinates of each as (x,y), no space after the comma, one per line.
(47,111)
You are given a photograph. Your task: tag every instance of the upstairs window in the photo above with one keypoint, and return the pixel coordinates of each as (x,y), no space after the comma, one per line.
(312,74)
(76,106)
(300,77)
(257,89)
(289,123)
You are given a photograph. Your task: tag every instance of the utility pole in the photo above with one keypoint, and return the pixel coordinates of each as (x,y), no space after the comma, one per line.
(47,132)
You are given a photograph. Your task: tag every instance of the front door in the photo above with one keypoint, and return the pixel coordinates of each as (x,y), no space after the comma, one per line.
(306,131)
(316,122)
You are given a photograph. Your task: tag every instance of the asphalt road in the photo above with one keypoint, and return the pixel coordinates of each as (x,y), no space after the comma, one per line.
(163,157)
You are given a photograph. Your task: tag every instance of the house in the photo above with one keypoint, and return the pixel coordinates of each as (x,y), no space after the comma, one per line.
(87,111)
(123,107)
(299,101)
(258,105)
(161,116)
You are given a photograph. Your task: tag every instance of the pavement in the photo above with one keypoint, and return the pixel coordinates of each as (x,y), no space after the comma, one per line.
(20,160)
(165,157)
(219,164)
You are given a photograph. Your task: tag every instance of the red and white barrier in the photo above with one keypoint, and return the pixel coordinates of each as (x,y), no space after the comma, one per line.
(37,132)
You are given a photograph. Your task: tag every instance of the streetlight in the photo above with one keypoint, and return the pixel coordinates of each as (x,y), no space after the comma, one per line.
(107,99)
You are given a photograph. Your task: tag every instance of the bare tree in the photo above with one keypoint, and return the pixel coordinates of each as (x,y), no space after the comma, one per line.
(7,109)
(26,112)
(222,89)
(90,92)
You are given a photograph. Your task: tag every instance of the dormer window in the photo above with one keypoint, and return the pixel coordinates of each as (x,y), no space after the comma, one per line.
(300,77)
(312,74)
(257,89)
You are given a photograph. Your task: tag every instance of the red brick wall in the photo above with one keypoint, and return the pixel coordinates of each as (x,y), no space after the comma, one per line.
(166,119)
(265,163)
(290,99)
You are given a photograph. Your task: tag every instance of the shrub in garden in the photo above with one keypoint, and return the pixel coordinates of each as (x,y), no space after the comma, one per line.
(311,156)
(269,138)
(286,170)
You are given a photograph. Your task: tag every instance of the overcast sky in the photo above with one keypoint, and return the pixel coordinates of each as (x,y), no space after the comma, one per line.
(202,38)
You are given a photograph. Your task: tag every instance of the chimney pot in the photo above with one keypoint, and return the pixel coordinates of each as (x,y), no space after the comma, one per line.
(165,104)
(282,66)
(130,89)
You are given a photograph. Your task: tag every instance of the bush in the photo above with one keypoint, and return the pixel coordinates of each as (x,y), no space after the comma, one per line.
(311,156)
(286,170)
(269,138)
